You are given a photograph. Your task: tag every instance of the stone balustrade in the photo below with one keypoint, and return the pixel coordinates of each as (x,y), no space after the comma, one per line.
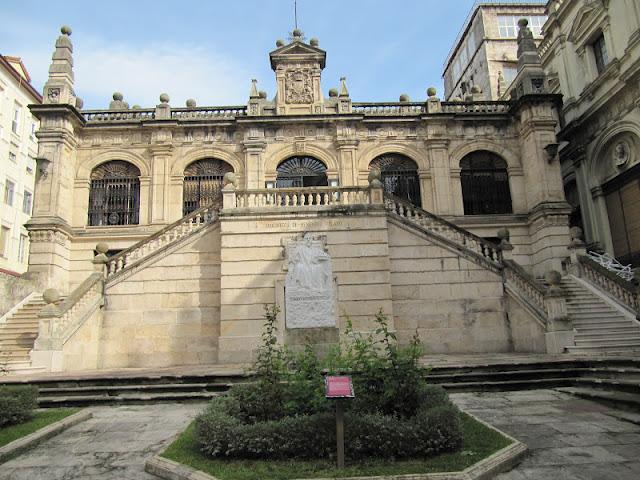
(115,116)
(297,197)
(200,113)
(446,230)
(187,225)
(482,107)
(626,292)
(58,318)
(529,289)
(389,108)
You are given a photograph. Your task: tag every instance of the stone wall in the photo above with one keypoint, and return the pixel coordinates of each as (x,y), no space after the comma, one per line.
(167,311)
(455,305)
(253,265)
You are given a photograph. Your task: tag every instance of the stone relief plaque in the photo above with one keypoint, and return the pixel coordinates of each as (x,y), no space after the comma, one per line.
(309,292)
(298,86)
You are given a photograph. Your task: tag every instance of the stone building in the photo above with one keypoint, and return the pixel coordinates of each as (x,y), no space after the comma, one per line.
(592,55)
(164,231)
(18,149)
(483,60)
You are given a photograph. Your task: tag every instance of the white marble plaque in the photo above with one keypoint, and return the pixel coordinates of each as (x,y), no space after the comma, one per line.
(309,292)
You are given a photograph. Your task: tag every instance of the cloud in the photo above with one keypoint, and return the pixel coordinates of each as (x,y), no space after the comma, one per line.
(142,73)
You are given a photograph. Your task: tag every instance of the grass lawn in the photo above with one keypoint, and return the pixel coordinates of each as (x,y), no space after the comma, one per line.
(40,419)
(479,442)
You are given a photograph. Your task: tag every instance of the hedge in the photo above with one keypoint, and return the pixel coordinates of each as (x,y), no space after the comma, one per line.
(17,404)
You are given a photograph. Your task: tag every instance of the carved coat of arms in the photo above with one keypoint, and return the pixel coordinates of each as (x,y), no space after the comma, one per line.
(298,86)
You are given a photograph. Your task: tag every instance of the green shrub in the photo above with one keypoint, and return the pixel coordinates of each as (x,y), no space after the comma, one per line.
(17,404)
(313,436)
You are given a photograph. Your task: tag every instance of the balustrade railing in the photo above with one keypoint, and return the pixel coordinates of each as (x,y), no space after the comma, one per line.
(482,107)
(302,197)
(198,113)
(74,309)
(150,245)
(531,290)
(627,292)
(444,229)
(109,116)
(389,108)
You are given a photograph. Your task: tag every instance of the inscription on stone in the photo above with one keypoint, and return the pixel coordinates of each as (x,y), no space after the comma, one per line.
(309,293)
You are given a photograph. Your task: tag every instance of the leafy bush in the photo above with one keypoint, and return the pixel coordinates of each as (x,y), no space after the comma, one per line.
(284,414)
(17,404)
(313,436)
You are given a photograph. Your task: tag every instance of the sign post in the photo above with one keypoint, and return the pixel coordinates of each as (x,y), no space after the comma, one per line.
(339,388)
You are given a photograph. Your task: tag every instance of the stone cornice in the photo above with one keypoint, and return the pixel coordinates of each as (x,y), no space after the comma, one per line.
(41,111)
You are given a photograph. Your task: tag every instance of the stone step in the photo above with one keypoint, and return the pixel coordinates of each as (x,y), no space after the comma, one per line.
(117,389)
(622,348)
(130,398)
(609,384)
(605,329)
(630,401)
(619,322)
(606,341)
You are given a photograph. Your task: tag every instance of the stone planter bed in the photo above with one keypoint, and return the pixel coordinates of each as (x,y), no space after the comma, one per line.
(15,439)
(486,452)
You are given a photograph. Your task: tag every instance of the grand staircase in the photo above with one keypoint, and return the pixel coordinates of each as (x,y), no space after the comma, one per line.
(601,326)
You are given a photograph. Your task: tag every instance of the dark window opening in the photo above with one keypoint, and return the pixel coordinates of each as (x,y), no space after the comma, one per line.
(203,182)
(114,195)
(485,184)
(600,52)
(399,176)
(301,172)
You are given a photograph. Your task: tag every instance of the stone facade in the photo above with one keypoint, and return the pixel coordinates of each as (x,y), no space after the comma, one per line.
(591,54)
(484,55)
(187,283)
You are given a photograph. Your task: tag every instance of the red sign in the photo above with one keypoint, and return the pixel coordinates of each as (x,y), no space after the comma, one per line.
(338,387)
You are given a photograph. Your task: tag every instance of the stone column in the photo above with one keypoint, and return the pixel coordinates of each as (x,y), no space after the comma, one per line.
(347,162)
(560,333)
(159,198)
(441,176)
(602,230)
(254,164)
(426,190)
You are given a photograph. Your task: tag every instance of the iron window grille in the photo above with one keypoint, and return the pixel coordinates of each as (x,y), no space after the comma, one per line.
(399,176)
(114,196)
(203,182)
(485,184)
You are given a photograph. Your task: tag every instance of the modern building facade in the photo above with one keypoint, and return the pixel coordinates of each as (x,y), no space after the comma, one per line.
(164,231)
(484,54)
(591,53)
(18,150)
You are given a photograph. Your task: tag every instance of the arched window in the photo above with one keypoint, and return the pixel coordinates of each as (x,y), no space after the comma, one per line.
(399,176)
(114,196)
(485,184)
(301,172)
(203,183)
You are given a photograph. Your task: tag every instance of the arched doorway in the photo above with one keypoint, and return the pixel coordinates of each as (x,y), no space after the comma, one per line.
(301,172)
(485,184)
(399,176)
(114,194)
(203,183)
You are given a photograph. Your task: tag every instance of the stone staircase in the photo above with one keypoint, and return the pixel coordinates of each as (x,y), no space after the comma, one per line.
(18,332)
(600,326)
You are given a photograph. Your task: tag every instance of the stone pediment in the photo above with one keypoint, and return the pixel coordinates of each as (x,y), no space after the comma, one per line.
(585,21)
(297,51)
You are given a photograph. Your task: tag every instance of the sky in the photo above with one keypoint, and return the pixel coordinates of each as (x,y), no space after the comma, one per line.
(210,50)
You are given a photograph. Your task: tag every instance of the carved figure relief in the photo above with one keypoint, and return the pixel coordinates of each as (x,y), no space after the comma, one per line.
(53,95)
(621,154)
(309,294)
(298,86)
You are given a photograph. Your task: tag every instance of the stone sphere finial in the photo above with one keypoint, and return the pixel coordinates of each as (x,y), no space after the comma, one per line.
(117,96)
(523,22)
(65,30)
(164,98)
(314,42)
(79,103)
(51,295)
(476,89)
(102,247)
(190,103)
(404,97)
(136,107)
(280,43)
(333,92)
(553,278)
(230,178)
(431,92)
(297,33)
(457,99)
(504,234)
(374,175)
(262,94)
